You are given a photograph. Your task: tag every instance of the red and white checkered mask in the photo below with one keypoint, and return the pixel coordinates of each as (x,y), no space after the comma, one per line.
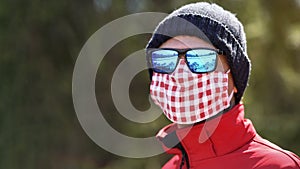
(186,97)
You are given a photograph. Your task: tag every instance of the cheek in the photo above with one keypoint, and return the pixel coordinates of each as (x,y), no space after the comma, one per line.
(222,64)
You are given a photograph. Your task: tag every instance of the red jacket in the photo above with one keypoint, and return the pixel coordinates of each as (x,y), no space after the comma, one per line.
(229,142)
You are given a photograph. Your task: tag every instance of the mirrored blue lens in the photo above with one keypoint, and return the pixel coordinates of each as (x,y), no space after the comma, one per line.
(201,60)
(164,61)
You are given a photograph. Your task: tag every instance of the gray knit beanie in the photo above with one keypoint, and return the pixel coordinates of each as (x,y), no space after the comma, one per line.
(215,25)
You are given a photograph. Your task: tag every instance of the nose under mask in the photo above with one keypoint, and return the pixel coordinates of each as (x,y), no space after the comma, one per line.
(187,97)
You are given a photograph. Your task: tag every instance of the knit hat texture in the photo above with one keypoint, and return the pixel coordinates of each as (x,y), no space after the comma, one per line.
(215,25)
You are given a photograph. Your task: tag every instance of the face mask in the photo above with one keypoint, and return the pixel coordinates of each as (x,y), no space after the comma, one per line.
(186,97)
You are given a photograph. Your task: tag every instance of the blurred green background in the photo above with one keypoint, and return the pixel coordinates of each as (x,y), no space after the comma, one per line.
(39,44)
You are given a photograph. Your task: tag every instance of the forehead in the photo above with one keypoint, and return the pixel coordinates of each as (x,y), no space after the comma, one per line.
(183,41)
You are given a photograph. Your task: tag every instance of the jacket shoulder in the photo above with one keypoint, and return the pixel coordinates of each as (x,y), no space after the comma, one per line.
(272,156)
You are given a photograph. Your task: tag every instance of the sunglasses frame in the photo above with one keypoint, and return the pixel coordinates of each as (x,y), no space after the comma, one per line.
(181,54)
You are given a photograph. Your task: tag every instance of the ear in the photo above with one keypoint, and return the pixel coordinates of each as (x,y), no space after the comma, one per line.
(235,90)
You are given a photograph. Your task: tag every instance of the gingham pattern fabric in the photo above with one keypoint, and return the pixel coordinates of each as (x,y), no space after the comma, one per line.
(186,97)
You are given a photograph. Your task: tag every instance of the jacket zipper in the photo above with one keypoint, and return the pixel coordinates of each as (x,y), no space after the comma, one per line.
(184,157)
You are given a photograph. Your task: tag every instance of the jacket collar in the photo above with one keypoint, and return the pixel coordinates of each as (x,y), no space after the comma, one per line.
(215,137)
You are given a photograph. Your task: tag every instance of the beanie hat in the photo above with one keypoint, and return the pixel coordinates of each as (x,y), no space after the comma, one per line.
(215,25)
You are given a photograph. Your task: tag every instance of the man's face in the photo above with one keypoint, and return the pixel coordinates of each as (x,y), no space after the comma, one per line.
(183,42)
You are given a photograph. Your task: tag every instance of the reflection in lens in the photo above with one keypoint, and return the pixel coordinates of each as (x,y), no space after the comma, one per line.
(201,60)
(164,61)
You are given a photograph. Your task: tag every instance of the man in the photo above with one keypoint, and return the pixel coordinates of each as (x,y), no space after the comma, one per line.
(199,70)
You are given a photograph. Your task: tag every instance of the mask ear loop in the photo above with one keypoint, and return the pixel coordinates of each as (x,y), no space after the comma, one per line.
(230,96)
(232,92)
(228,71)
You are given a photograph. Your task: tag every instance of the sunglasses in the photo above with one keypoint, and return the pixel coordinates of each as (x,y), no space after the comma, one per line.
(198,60)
